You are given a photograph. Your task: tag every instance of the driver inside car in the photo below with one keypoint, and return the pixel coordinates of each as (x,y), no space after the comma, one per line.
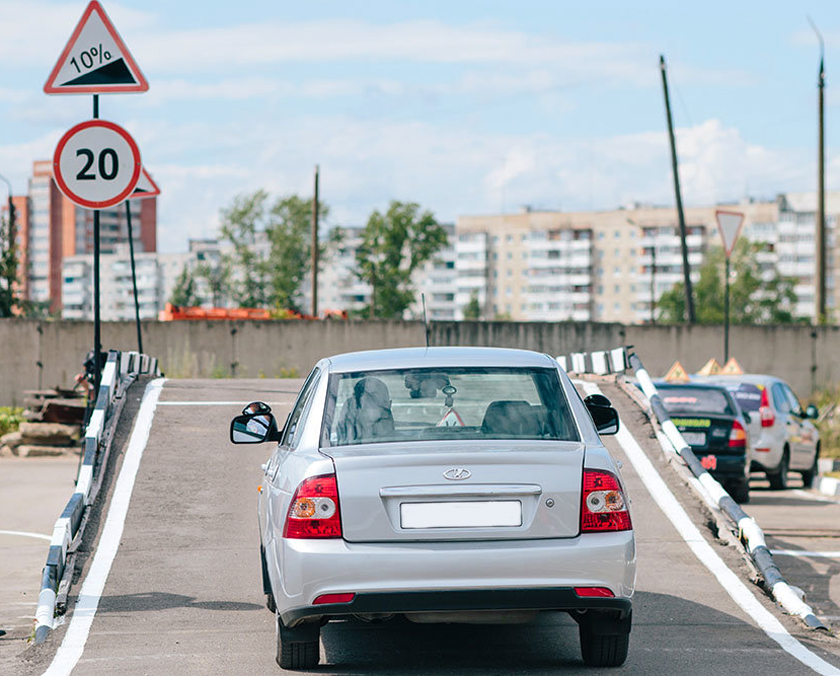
(367,413)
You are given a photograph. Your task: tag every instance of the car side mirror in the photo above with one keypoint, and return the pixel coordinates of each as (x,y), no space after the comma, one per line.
(812,412)
(253,428)
(603,414)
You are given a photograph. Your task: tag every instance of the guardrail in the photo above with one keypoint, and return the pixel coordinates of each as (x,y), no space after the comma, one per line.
(749,532)
(121,369)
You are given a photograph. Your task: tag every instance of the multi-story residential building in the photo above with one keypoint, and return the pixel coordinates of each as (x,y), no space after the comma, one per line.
(156,277)
(611,265)
(56,228)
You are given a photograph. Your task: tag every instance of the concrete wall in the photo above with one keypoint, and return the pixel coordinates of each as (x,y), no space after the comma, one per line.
(43,354)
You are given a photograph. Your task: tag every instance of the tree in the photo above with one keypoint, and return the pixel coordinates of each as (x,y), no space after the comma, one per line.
(8,265)
(394,245)
(752,298)
(472,310)
(271,250)
(185,292)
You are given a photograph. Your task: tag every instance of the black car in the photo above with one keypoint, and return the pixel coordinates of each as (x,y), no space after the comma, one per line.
(712,423)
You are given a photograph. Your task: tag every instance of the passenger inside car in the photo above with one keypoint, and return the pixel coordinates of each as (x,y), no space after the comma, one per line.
(367,413)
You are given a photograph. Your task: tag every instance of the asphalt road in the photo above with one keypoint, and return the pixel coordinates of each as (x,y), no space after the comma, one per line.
(184,597)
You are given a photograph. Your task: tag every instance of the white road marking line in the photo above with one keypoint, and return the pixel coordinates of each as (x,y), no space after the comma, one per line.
(73,645)
(801,554)
(730,582)
(240,403)
(27,534)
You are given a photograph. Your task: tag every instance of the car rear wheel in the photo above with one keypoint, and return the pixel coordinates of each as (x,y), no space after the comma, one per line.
(603,650)
(809,475)
(779,479)
(298,647)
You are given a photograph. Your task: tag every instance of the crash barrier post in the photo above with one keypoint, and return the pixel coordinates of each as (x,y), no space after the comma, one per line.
(749,532)
(121,369)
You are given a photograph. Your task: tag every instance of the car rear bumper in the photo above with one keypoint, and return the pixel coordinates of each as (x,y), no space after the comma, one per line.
(558,598)
(728,467)
(480,569)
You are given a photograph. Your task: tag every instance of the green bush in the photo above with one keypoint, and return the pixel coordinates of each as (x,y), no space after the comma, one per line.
(10,419)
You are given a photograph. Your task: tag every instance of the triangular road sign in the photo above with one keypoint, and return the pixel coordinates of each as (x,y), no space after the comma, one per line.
(95,60)
(729,224)
(711,368)
(677,374)
(146,187)
(732,368)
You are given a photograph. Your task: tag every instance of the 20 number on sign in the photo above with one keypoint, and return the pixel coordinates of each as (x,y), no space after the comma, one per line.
(105,155)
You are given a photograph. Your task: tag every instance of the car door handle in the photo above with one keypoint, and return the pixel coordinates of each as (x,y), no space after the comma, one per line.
(264,466)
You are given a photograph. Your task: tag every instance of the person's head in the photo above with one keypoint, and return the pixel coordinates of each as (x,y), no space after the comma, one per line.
(372,398)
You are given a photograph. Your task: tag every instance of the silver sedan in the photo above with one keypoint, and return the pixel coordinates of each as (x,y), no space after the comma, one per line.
(442,485)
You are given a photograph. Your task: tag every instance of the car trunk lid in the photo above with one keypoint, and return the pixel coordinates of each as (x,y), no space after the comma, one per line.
(459,490)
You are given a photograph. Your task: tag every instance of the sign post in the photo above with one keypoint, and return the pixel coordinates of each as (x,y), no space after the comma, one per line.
(729,225)
(96,61)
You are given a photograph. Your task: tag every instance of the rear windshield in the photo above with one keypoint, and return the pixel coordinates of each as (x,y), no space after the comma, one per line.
(446,404)
(747,395)
(696,400)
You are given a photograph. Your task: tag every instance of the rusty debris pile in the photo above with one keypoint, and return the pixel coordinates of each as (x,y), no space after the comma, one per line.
(53,424)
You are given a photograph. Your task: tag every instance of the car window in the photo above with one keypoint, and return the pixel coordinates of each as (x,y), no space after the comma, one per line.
(446,403)
(747,395)
(307,392)
(795,406)
(696,400)
(780,398)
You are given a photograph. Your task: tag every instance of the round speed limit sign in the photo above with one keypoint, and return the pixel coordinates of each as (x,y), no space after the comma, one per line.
(97,164)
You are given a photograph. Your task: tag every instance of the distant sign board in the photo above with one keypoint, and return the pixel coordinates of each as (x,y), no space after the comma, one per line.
(97,164)
(146,186)
(95,60)
(729,224)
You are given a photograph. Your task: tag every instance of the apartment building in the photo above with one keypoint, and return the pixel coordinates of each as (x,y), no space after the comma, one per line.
(610,265)
(156,273)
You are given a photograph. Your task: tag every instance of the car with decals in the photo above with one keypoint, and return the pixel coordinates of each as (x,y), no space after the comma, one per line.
(712,423)
(782,434)
(443,484)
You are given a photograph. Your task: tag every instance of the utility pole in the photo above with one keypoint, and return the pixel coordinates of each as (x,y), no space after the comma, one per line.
(653,283)
(820,285)
(689,293)
(315,248)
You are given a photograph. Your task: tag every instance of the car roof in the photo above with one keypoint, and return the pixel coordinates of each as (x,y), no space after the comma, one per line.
(433,357)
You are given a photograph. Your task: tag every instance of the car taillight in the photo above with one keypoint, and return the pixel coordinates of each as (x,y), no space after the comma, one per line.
(594,592)
(314,510)
(768,417)
(738,436)
(603,507)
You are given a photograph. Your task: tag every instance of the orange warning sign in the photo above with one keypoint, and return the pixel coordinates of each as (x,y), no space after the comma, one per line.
(677,374)
(710,368)
(732,368)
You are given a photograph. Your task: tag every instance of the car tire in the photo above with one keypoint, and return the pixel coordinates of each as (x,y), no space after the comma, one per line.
(809,475)
(298,648)
(740,491)
(603,650)
(779,479)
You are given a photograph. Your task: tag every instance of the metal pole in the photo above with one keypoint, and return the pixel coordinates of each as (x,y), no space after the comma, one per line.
(653,283)
(315,248)
(726,315)
(689,292)
(97,338)
(133,276)
(819,282)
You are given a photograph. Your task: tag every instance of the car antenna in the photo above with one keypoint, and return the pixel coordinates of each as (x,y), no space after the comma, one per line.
(425,319)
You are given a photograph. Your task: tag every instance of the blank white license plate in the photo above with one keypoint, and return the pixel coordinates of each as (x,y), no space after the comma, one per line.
(695,438)
(461,514)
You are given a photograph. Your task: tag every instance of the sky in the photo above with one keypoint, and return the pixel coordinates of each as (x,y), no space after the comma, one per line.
(466,107)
